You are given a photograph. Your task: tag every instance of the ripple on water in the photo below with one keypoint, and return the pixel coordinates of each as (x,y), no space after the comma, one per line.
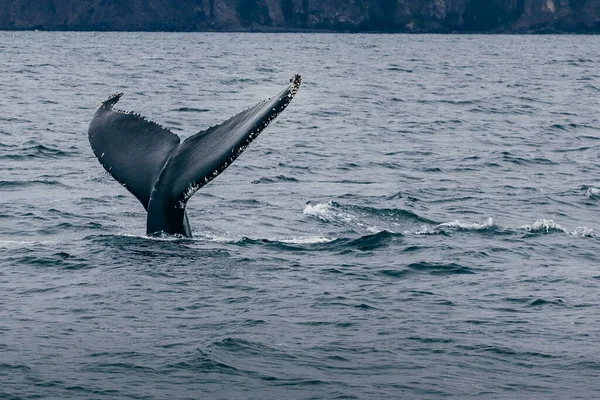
(410,227)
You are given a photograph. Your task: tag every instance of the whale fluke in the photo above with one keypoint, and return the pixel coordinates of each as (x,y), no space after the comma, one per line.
(162,173)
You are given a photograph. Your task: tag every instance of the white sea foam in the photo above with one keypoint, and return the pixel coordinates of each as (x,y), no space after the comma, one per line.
(544,225)
(592,192)
(455,225)
(549,225)
(425,230)
(327,212)
(215,238)
(475,226)
(307,240)
(165,237)
(288,240)
(584,232)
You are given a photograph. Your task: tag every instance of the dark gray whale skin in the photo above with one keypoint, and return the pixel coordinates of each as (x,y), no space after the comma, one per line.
(162,173)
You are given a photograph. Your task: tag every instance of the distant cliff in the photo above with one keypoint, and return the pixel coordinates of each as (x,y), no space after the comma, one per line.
(304,15)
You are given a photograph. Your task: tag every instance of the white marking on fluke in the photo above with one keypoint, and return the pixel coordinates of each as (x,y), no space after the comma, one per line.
(160,170)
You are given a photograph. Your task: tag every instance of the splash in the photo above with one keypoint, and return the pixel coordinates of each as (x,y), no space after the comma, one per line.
(551,226)
(584,232)
(544,226)
(592,192)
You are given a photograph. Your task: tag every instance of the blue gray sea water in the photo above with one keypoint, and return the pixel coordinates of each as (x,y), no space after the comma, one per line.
(421,222)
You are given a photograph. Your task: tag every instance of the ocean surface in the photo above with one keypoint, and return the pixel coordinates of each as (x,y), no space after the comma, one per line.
(420,223)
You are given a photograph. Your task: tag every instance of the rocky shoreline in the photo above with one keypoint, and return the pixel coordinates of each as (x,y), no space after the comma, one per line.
(394,16)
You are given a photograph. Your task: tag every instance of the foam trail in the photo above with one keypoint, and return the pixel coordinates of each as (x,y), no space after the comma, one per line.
(292,240)
(164,237)
(215,238)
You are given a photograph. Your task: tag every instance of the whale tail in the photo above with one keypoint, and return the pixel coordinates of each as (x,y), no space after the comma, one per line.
(162,173)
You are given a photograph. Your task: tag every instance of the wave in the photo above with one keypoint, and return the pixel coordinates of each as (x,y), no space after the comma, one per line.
(24,243)
(279,178)
(362,243)
(541,226)
(204,362)
(36,151)
(137,238)
(507,157)
(331,212)
(396,68)
(44,254)
(428,268)
(544,226)
(456,225)
(157,249)
(200,237)
(371,219)
(328,212)
(368,242)
(372,239)
(583,231)
(544,302)
(548,226)
(307,240)
(593,193)
(17,184)
(391,214)
(191,109)
(440,269)
(288,240)
(376,220)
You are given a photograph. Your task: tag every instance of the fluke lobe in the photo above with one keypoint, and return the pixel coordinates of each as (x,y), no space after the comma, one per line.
(149,160)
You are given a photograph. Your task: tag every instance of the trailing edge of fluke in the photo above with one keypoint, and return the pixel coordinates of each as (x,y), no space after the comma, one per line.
(163,173)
